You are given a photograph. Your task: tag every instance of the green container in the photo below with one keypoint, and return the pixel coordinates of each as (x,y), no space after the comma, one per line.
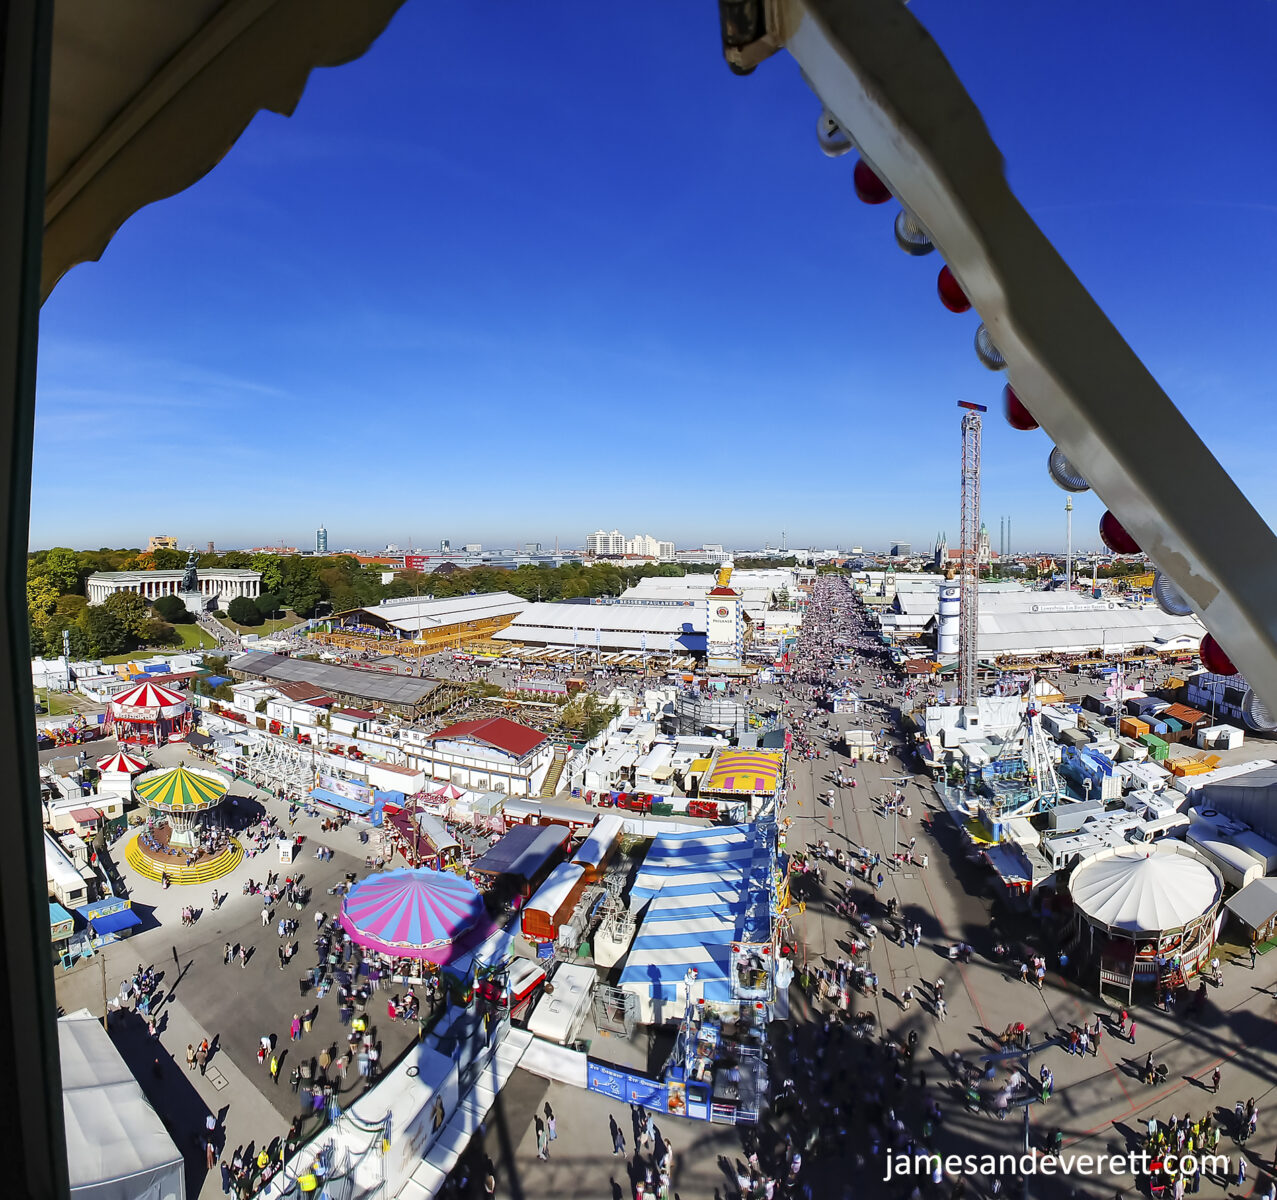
(1157,748)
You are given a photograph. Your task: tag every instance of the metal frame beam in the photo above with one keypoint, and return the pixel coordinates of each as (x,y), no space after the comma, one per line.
(878,71)
(31,1109)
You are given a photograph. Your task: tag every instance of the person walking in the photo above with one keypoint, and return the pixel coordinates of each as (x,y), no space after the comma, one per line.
(1241,1169)
(201,1056)
(274,1069)
(190,1056)
(543,1142)
(295,1079)
(227,955)
(1214,1080)
(551,1130)
(243,956)
(295,1028)
(941,1011)
(618,1139)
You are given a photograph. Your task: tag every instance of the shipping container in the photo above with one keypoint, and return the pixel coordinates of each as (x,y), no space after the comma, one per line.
(1133,727)
(1157,748)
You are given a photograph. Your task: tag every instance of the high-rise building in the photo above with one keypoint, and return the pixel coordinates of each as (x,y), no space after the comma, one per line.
(531,547)
(604,544)
(901,549)
(321,540)
(161,541)
(445,545)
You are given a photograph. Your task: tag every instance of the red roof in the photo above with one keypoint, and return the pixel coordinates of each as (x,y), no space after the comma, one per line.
(499,732)
(724,591)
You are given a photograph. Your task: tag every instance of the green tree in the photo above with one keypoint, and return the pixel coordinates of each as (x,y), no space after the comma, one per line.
(168,560)
(301,587)
(42,598)
(267,604)
(104,631)
(129,609)
(172,610)
(62,566)
(157,633)
(272,571)
(243,611)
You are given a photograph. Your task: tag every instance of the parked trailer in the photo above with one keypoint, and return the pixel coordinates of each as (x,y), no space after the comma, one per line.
(553,902)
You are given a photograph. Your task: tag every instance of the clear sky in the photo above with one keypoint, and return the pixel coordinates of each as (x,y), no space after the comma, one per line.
(514,277)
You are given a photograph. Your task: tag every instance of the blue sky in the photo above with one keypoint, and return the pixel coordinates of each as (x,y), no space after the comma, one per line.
(507,279)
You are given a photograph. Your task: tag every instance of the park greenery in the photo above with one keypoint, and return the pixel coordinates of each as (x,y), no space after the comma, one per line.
(308,585)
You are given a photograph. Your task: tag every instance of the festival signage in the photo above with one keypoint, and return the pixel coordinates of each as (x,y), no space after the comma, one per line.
(361,793)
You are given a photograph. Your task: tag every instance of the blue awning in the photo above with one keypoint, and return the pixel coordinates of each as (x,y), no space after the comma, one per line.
(115,922)
(337,800)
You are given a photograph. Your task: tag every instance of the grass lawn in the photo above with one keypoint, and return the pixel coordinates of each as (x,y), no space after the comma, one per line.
(265,629)
(60,704)
(193,638)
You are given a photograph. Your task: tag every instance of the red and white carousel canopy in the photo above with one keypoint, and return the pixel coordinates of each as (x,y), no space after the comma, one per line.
(124,764)
(148,702)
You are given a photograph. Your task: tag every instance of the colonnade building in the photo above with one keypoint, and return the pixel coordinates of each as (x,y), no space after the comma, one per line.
(218,586)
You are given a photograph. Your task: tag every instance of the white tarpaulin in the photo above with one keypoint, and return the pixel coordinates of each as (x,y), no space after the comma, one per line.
(117,1147)
(1145,889)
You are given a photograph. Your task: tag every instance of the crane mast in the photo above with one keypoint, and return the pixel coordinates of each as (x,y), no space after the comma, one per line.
(969,555)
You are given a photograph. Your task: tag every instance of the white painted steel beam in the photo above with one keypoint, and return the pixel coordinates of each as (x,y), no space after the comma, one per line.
(878,71)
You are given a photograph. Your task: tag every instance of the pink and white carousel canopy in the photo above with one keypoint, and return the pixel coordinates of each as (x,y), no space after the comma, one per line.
(121,763)
(148,702)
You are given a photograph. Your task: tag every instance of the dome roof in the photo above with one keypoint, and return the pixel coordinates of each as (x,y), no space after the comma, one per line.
(1145,889)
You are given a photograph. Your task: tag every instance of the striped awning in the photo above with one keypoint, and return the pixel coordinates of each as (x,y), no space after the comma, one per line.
(179,789)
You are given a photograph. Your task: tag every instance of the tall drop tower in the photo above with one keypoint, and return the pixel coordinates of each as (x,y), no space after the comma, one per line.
(969,555)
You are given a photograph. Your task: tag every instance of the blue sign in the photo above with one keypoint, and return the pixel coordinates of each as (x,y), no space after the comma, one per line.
(627,1086)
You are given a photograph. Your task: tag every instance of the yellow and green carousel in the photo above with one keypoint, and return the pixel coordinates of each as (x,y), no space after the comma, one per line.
(185,839)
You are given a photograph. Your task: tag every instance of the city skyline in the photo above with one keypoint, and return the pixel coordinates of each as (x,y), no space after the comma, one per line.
(590,326)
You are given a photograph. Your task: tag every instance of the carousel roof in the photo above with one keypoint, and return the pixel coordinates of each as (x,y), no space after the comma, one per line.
(1145,890)
(412,912)
(124,764)
(148,702)
(180,790)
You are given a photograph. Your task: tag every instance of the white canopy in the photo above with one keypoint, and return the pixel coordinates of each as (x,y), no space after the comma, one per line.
(1145,889)
(117,1147)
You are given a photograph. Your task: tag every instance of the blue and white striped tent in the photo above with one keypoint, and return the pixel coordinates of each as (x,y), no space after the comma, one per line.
(704,889)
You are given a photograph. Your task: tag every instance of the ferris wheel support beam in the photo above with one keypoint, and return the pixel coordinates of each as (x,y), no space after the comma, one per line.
(886,82)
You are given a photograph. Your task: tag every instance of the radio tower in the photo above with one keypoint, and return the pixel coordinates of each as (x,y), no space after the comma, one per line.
(969,555)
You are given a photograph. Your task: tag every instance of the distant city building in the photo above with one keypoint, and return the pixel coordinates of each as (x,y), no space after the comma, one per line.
(445,546)
(605,545)
(211,550)
(472,548)
(602,544)
(901,549)
(161,541)
(281,550)
(531,547)
(321,540)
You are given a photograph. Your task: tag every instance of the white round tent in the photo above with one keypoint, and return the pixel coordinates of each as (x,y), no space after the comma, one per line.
(1162,900)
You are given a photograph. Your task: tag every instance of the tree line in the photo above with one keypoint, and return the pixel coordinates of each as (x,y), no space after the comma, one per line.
(309,586)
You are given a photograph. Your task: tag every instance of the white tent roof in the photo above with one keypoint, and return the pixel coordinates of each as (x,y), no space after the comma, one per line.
(117,1147)
(1145,889)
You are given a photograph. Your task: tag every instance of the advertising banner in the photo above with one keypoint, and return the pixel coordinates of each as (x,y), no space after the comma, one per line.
(352,790)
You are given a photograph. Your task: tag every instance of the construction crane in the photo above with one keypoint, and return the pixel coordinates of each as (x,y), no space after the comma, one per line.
(969,555)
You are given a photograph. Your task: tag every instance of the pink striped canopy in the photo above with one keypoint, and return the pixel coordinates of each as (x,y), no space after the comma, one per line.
(413,913)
